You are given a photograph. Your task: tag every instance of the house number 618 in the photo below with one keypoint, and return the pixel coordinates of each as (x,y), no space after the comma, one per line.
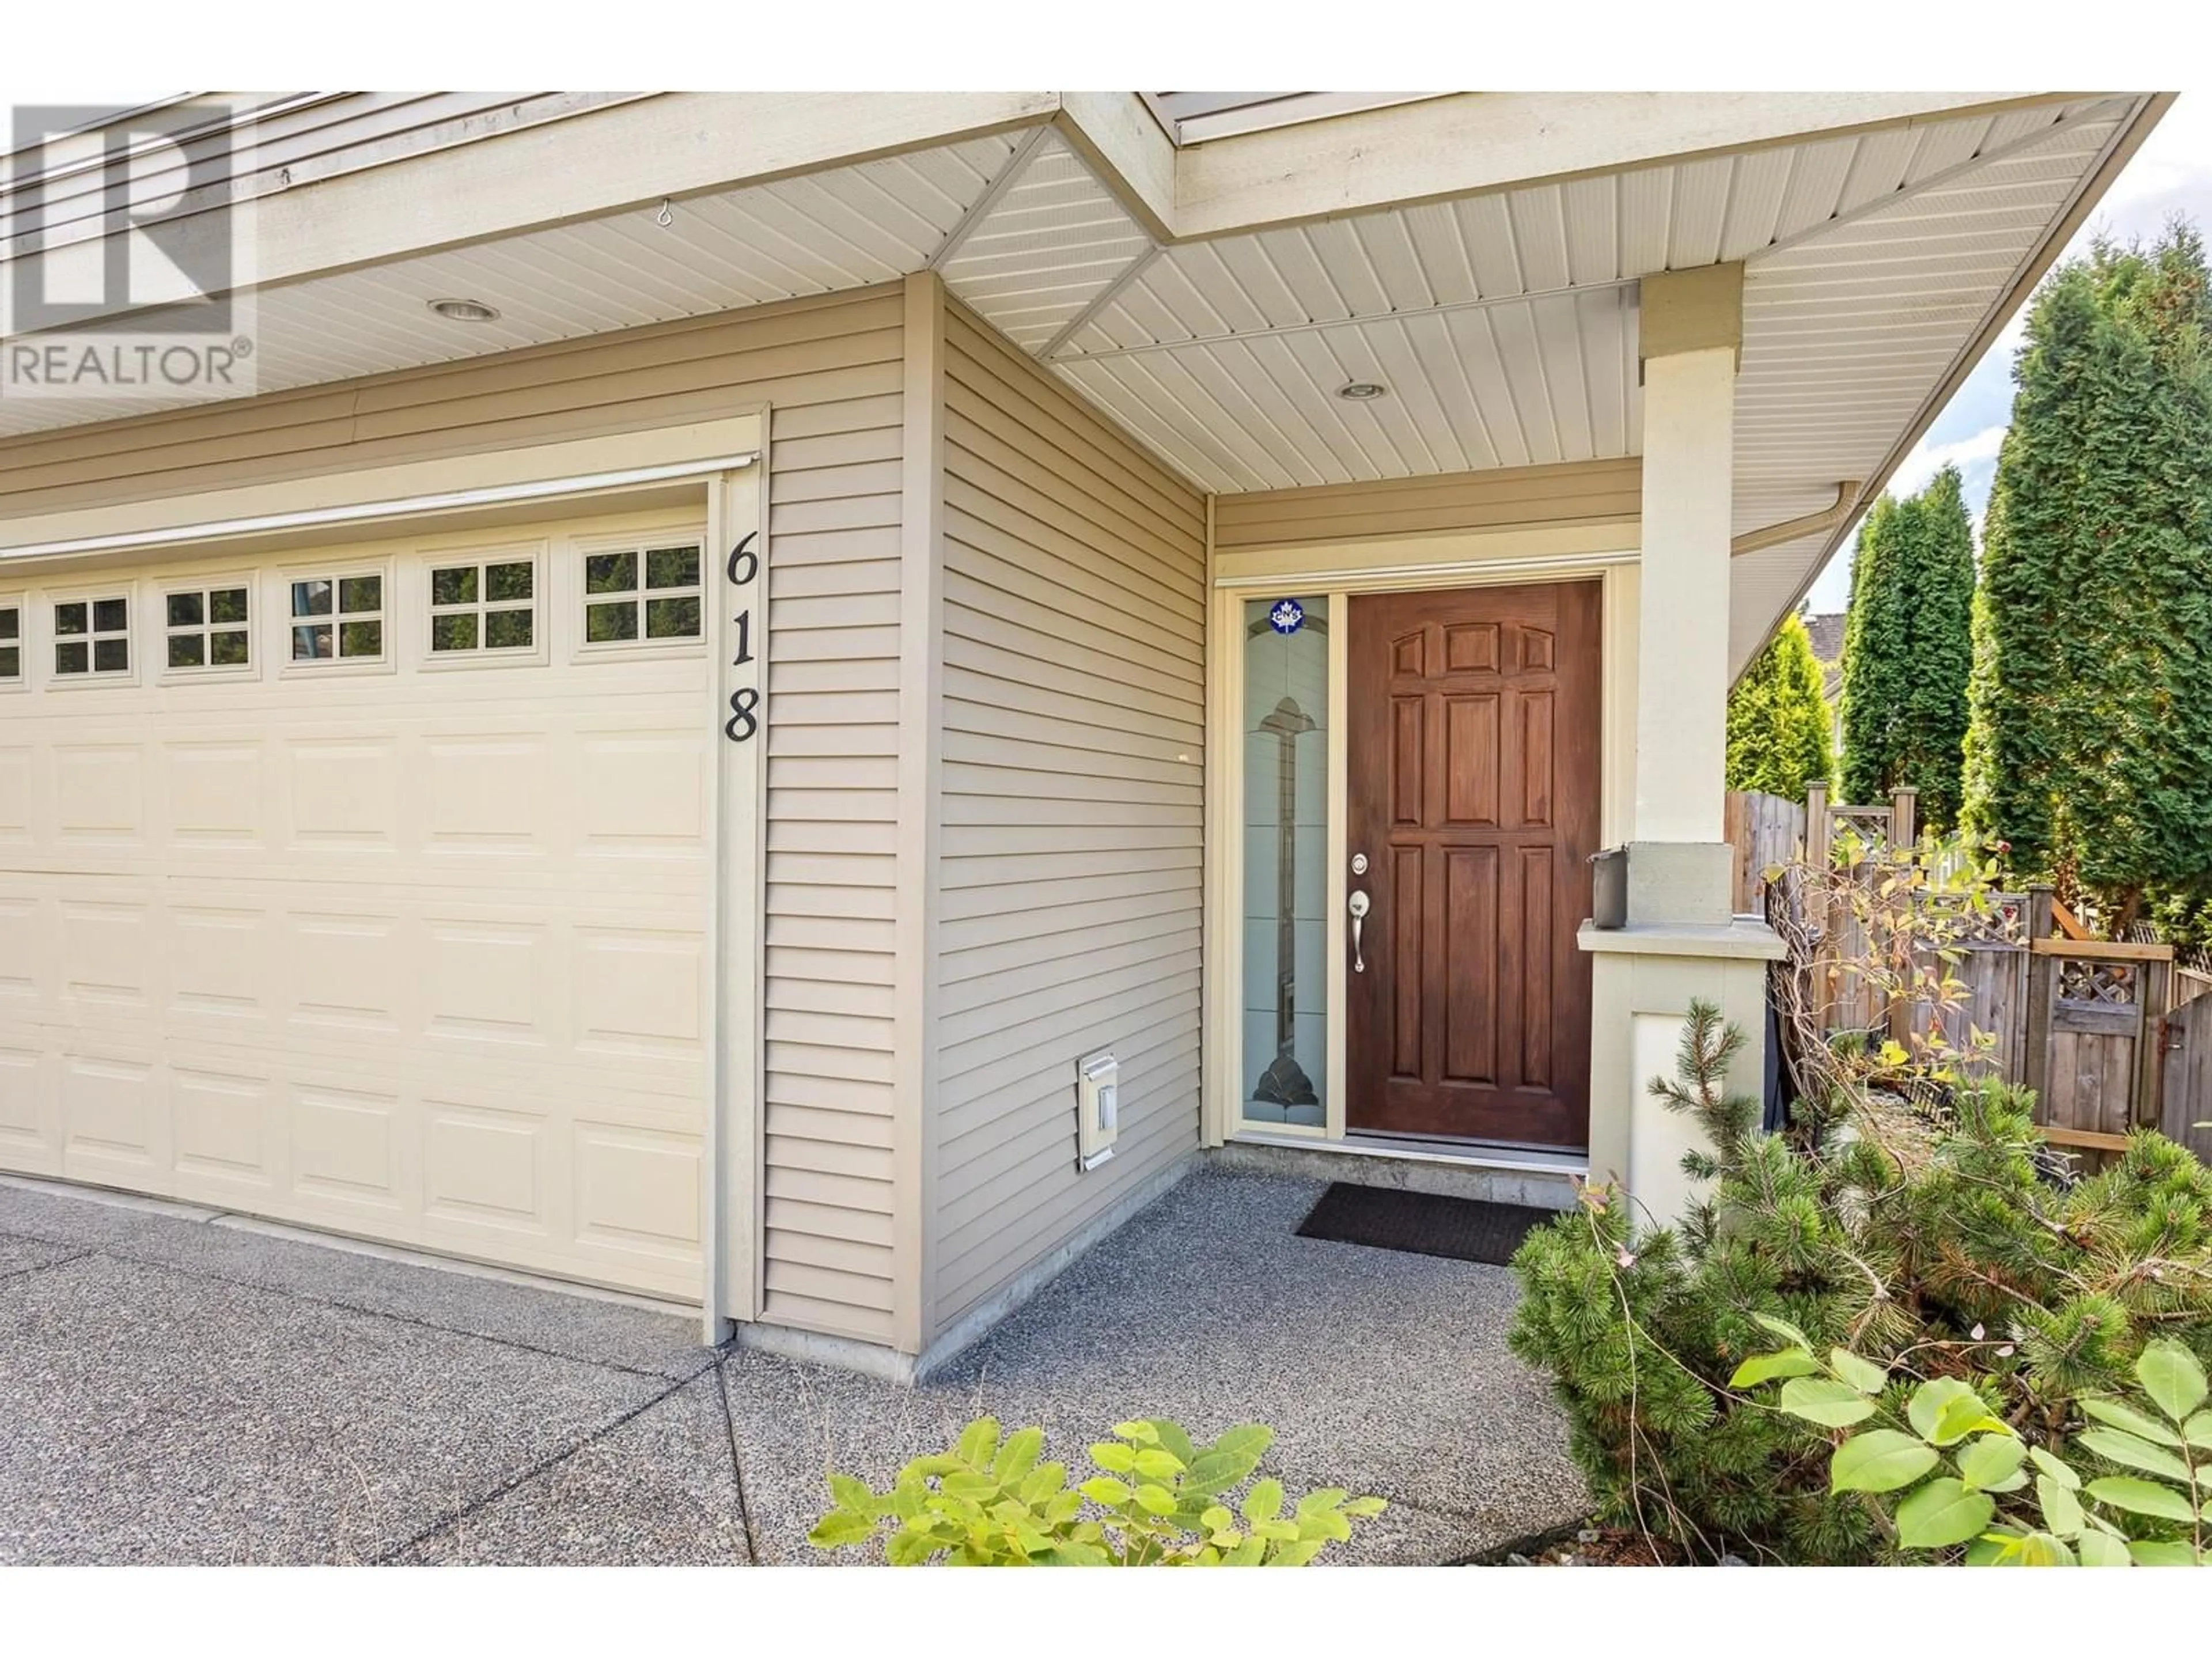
(743,566)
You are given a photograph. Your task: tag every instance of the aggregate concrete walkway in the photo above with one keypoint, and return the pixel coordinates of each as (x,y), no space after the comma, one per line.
(174,1388)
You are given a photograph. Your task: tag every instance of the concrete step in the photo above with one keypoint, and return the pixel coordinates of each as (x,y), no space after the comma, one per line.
(1540,1181)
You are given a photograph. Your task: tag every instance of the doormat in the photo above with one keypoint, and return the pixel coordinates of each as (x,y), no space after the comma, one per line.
(1421,1223)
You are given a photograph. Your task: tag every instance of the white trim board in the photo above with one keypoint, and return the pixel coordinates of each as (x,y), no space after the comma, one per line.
(408,507)
(539,472)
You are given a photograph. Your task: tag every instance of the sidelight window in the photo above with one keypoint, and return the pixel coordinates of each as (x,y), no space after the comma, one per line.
(1285,829)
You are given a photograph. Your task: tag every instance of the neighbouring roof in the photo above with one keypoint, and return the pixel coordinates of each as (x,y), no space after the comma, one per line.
(1827,632)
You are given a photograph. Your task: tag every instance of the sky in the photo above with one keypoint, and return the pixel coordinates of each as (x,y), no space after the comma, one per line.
(2171,173)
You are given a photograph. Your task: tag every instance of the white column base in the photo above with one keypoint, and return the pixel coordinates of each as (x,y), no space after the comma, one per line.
(1643,982)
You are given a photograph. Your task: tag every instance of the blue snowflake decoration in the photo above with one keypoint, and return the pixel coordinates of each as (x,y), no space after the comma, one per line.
(1287,617)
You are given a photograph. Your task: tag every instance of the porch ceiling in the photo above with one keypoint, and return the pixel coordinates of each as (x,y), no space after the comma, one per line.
(1503,323)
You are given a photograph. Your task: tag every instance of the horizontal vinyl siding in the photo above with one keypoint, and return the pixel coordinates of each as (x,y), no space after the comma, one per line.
(1579,492)
(832,371)
(1068,919)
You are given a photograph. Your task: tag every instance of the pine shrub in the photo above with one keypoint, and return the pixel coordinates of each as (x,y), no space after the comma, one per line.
(1937,1244)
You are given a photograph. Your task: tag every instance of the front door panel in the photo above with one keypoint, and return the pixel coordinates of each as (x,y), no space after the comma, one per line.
(1474,742)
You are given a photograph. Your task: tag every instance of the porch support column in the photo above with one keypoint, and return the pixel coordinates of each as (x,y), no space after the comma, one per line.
(1680,942)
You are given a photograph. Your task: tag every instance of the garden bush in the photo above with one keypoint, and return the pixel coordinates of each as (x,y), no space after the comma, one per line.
(1933,1243)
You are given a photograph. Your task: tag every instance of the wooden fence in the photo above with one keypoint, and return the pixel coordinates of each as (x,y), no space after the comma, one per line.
(2111,1035)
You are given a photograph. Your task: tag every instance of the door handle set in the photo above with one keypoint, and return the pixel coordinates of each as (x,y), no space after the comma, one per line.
(1359,907)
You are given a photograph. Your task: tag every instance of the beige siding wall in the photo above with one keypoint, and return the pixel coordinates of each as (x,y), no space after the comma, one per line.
(1578,492)
(1074,693)
(831,371)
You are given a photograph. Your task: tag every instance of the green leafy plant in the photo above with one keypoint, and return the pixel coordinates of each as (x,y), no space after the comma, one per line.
(1158,1500)
(1951,1474)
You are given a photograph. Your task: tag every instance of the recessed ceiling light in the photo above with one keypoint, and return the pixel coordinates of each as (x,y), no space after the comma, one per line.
(464,311)
(1361,391)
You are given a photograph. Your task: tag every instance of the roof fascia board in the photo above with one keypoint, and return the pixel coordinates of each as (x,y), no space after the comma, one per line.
(1119,135)
(609,160)
(2032,272)
(1470,142)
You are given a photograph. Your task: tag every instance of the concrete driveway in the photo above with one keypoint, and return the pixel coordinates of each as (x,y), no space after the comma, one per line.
(176,1387)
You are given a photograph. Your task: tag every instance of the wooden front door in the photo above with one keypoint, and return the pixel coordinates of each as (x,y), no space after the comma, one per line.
(1474,737)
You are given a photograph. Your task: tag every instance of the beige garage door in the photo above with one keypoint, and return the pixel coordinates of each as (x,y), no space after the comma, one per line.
(368,889)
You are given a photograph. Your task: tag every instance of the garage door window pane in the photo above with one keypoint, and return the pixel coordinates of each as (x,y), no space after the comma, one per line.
(671,619)
(484,608)
(610,573)
(508,630)
(510,581)
(11,649)
(609,624)
(668,607)
(354,630)
(107,649)
(195,641)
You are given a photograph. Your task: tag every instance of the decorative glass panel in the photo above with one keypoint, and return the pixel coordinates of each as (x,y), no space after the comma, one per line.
(457,586)
(227,648)
(311,599)
(226,605)
(11,662)
(110,616)
(72,619)
(72,657)
(1285,829)
(186,610)
(11,623)
(111,656)
(454,632)
(361,639)
(313,643)
(360,593)
(187,650)
(610,573)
